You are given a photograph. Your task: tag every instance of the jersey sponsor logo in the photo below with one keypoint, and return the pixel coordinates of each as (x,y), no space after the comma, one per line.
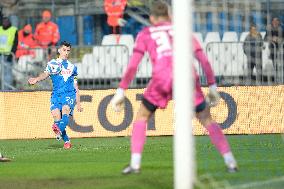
(66,72)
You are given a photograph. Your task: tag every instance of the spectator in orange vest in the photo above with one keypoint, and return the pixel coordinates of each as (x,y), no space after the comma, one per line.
(25,42)
(114,10)
(47,33)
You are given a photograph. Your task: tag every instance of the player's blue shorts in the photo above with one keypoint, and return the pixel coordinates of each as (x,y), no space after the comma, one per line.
(57,101)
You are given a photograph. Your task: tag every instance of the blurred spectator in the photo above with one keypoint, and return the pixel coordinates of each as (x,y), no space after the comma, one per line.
(25,42)
(115,10)
(274,35)
(10,9)
(46,32)
(8,47)
(25,54)
(253,49)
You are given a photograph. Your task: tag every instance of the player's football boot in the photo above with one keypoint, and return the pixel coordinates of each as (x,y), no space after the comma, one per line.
(57,132)
(130,170)
(232,168)
(4,159)
(67,145)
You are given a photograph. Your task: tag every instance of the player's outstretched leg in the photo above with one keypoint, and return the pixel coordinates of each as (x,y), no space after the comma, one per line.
(138,139)
(56,130)
(67,143)
(62,125)
(220,142)
(218,139)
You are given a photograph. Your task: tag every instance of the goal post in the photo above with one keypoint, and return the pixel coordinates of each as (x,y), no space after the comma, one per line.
(184,166)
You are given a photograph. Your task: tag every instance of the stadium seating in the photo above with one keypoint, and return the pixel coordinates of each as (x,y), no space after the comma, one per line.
(197,21)
(199,37)
(230,37)
(110,39)
(223,22)
(68,29)
(88,25)
(226,55)
(243,36)
(209,22)
(110,60)
(114,39)
(128,41)
(236,22)
(257,19)
(212,49)
(212,37)
(268,68)
(145,68)
(84,70)
(263,33)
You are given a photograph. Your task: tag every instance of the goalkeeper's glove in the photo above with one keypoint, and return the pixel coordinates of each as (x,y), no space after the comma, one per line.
(117,101)
(213,97)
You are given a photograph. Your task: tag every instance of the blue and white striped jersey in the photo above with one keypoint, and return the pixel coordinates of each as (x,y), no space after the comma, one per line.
(62,81)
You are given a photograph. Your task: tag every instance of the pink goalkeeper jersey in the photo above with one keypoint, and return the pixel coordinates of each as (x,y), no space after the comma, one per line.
(157,41)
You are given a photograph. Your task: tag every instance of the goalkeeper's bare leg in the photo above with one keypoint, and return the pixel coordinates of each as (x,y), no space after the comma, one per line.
(216,135)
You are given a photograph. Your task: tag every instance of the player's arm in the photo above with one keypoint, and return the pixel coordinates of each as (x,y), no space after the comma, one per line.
(213,96)
(117,101)
(78,101)
(41,77)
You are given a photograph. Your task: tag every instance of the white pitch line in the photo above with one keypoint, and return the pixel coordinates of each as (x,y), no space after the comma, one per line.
(258,183)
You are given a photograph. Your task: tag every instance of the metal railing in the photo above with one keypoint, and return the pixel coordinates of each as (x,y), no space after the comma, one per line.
(101,67)
(232,66)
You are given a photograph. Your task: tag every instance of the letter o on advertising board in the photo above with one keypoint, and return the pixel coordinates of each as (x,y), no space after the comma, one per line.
(104,120)
(232,110)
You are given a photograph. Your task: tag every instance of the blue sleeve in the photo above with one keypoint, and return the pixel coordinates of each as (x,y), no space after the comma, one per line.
(75,71)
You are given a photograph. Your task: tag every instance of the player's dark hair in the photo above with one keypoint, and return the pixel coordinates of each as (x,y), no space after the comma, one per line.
(65,43)
(252,25)
(159,8)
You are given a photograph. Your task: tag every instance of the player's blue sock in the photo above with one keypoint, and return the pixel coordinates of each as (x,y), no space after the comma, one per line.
(63,122)
(65,136)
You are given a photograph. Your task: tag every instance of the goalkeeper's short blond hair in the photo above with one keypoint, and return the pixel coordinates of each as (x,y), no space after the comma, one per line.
(159,8)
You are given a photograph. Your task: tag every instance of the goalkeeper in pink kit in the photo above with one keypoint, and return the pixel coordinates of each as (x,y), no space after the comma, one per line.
(157,41)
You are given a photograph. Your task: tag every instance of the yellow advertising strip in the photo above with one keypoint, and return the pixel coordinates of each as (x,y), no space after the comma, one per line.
(243,110)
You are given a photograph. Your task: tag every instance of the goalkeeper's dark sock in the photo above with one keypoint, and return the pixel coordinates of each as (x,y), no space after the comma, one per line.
(65,136)
(63,122)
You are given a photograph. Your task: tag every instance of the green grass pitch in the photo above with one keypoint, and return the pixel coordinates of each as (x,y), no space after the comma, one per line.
(97,163)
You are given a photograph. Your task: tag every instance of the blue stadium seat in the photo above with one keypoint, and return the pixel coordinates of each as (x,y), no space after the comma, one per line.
(223,22)
(209,22)
(67,29)
(256,18)
(88,25)
(196,24)
(132,27)
(236,23)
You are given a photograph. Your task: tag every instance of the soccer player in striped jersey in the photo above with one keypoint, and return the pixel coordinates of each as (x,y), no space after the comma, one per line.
(157,41)
(65,93)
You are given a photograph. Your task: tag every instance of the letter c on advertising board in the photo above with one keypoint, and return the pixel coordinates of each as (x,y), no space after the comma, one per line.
(78,128)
